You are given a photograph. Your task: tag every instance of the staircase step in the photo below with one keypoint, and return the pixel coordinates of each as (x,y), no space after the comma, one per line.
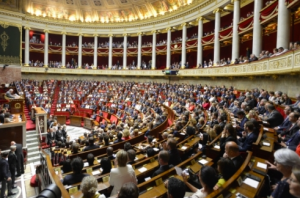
(36,143)
(32,135)
(34,153)
(33,159)
(33,139)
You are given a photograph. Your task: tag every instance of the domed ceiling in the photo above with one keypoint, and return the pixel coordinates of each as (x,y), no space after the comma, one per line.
(104,11)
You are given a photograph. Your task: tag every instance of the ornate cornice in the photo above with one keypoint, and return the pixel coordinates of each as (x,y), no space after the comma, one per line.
(218,10)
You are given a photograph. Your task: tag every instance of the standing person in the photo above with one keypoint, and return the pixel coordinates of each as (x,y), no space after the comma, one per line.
(20,158)
(5,176)
(122,174)
(12,162)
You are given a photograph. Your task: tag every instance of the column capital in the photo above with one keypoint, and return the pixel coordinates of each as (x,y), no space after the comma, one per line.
(46,31)
(218,10)
(95,35)
(140,33)
(168,28)
(63,32)
(232,1)
(125,34)
(153,31)
(79,34)
(200,19)
(110,35)
(27,28)
(183,24)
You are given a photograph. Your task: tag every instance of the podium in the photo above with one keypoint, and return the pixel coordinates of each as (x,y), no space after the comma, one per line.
(40,119)
(16,106)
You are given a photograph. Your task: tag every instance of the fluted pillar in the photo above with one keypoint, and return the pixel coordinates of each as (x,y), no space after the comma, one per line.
(63,53)
(217,13)
(153,62)
(26,60)
(257,29)
(125,51)
(235,34)
(79,51)
(46,43)
(139,62)
(199,46)
(183,46)
(283,27)
(95,51)
(168,62)
(110,51)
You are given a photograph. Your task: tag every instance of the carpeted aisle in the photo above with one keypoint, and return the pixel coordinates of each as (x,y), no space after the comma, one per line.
(29,124)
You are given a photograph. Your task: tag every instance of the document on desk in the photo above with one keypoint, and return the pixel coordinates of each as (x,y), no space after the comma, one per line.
(266,144)
(155,149)
(143,169)
(261,165)
(96,172)
(183,148)
(178,170)
(203,161)
(266,129)
(85,164)
(251,182)
(217,146)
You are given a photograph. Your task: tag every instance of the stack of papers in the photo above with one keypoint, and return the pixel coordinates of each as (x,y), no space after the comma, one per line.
(251,182)
(96,172)
(178,170)
(266,144)
(155,149)
(183,148)
(261,165)
(203,161)
(143,169)
(217,146)
(85,164)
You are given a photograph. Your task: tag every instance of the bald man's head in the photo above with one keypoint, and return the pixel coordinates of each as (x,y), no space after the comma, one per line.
(232,149)
(12,143)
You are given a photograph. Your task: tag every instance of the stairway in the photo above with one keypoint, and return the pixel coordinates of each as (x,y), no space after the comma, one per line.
(29,124)
(32,142)
(54,99)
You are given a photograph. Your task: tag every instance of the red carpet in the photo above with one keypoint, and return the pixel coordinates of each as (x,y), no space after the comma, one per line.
(29,124)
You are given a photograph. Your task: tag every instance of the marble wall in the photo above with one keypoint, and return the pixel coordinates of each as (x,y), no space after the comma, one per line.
(10,74)
(285,83)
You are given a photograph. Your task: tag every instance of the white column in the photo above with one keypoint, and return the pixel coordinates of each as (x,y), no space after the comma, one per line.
(125,51)
(199,46)
(139,61)
(95,51)
(63,53)
(153,62)
(110,51)
(168,62)
(283,27)
(26,60)
(235,34)
(217,13)
(46,43)
(257,29)
(183,46)
(79,51)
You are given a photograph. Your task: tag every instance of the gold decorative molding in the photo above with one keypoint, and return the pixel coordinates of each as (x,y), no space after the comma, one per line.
(125,34)
(63,33)
(153,31)
(168,28)
(140,33)
(218,10)
(46,31)
(183,24)
(110,35)
(27,28)
(200,19)
(95,35)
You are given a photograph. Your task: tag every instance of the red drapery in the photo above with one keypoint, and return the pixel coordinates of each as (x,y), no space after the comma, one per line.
(269,11)
(226,33)
(161,48)
(102,50)
(72,49)
(246,24)
(208,39)
(132,50)
(192,43)
(118,50)
(55,48)
(147,49)
(87,50)
(176,46)
(36,46)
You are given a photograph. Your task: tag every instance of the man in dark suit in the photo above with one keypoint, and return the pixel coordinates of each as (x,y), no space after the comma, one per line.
(51,137)
(243,119)
(91,145)
(286,135)
(274,118)
(173,151)
(286,124)
(110,153)
(248,137)
(20,158)
(5,175)
(163,160)
(232,152)
(59,135)
(131,156)
(77,175)
(2,116)
(12,162)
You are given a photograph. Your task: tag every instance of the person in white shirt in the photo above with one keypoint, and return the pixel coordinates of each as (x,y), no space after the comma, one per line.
(122,174)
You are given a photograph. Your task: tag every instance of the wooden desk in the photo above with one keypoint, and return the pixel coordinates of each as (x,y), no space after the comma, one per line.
(88,123)
(13,131)
(61,119)
(75,120)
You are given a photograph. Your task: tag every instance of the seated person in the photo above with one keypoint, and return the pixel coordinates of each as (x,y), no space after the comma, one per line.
(89,186)
(110,153)
(232,152)
(66,166)
(91,145)
(105,165)
(90,159)
(77,175)
(131,156)
(225,170)
(248,137)
(208,179)
(175,187)
(163,160)
(129,190)
(173,151)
